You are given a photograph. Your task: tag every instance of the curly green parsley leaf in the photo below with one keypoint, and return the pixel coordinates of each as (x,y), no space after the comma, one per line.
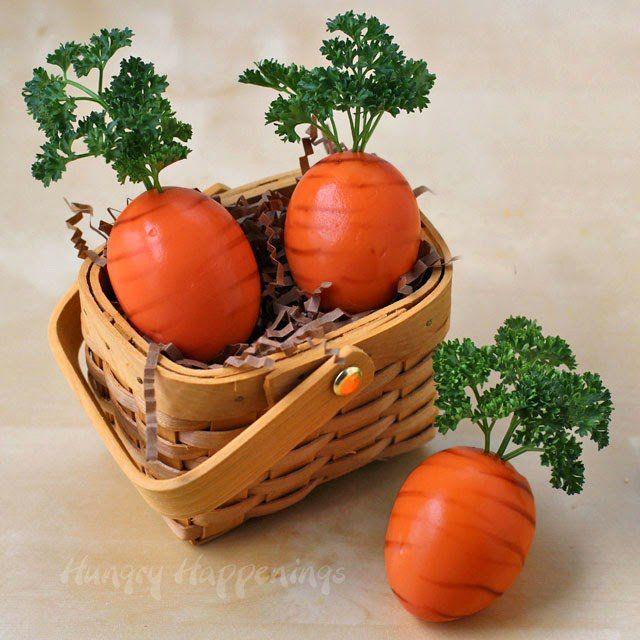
(551,406)
(367,76)
(134,128)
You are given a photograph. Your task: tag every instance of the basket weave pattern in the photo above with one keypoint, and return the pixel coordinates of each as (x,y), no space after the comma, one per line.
(394,415)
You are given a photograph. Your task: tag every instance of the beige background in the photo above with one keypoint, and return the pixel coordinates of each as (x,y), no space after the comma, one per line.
(531,147)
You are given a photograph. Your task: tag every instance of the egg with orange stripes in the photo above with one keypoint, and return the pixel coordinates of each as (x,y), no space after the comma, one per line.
(459,533)
(353,220)
(184,272)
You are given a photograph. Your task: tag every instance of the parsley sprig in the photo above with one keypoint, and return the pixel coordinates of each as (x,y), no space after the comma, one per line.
(133,128)
(549,403)
(367,76)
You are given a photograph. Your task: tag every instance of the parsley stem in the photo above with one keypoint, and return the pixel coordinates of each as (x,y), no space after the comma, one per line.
(326,131)
(507,436)
(362,134)
(277,84)
(77,156)
(91,94)
(487,440)
(353,130)
(156,180)
(370,128)
(335,133)
(483,421)
(487,436)
(519,451)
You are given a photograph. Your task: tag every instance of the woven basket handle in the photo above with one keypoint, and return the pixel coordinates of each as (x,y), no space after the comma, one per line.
(299,409)
(303,410)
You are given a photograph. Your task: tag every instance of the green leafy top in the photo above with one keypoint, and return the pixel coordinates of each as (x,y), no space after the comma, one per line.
(549,403)
(134,128)
(367,76)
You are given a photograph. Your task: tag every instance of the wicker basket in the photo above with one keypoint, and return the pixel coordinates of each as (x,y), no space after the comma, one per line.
(237,444)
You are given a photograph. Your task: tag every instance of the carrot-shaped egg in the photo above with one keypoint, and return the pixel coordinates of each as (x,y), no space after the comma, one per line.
(179,264)
(463,522)
(353,220)
(458,534)
(184,272)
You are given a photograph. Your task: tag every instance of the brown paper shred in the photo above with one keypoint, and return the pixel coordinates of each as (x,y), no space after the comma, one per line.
(272,332)
(266,220)
(256,362)
(432,259)
(311,141)
(192,364)
(307,147)
(151,416)
(446,263)
(105,228)
(312,304)
(171,351)
(419,268)
(333,351)
(418,191)
(242,206)
(329,145)
(79,211)
(264,344)
(101,229)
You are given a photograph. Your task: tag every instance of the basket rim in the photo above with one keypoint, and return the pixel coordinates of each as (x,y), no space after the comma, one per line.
(89,283)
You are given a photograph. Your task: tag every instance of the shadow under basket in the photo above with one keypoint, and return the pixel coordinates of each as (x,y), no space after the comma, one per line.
(235,444)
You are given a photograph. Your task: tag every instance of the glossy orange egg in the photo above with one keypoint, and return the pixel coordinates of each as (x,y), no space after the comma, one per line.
(353,221)
(458,534)
(184,272)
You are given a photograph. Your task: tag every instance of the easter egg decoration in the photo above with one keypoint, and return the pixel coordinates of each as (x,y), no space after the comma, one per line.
(180,265)
(464,520)
(353,219)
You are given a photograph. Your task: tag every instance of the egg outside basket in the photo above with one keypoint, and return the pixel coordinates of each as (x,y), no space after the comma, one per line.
(237,444)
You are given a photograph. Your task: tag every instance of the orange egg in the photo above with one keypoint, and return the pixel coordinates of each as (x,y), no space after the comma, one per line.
(184,272)
(458,534)
(353,221)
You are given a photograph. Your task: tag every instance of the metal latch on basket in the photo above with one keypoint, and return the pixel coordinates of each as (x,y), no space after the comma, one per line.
(348,381)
